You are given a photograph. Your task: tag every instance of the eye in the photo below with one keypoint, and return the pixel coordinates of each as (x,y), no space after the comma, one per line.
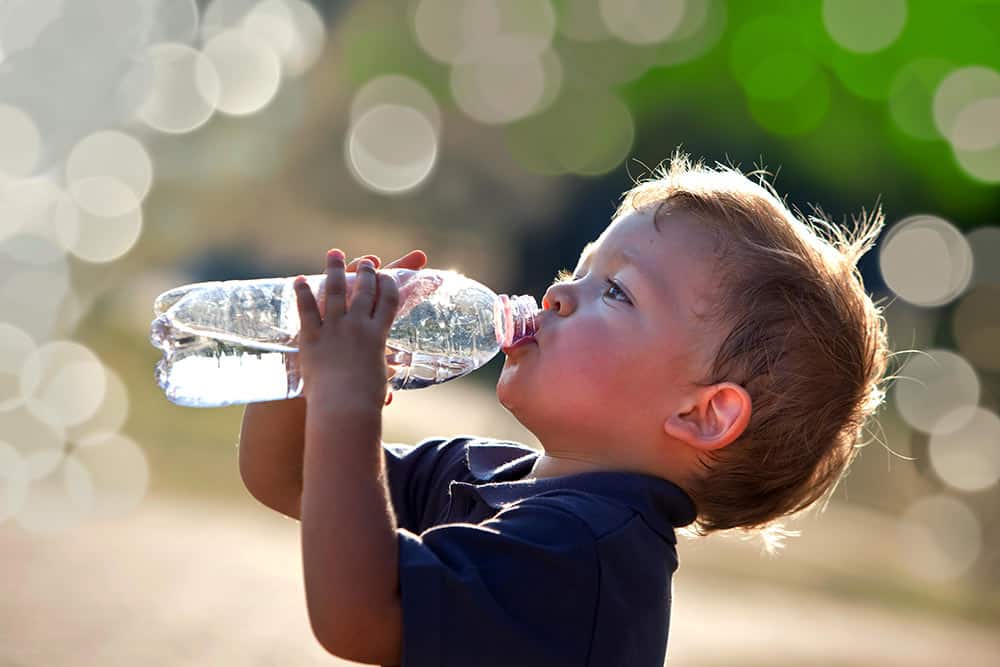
(566,277)
(612,285)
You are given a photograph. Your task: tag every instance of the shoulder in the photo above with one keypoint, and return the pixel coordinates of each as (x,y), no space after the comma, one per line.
(459,454)
(600,515)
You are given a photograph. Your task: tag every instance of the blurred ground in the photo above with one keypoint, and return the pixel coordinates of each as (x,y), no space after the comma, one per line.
(193,582)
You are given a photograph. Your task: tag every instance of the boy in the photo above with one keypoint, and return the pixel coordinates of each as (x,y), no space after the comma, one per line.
(711,362)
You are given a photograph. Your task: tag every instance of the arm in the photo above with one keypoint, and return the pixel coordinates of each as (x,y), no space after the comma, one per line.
(272,440)
(349,550)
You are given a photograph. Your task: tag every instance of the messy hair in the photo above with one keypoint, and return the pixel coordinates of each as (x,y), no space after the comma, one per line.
(802,337)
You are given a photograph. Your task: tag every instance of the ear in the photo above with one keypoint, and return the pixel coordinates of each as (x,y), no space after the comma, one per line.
(715,417)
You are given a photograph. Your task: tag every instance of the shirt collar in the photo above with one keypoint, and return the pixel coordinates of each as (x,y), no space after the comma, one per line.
(497,469)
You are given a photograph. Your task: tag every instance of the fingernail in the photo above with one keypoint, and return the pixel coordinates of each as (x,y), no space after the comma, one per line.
(336,254)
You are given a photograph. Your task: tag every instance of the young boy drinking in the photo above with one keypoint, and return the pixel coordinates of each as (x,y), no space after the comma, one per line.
(710,363)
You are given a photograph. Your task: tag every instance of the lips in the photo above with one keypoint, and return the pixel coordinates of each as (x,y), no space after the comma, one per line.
(527,340)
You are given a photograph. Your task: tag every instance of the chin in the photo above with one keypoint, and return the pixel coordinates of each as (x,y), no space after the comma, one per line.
(509,394)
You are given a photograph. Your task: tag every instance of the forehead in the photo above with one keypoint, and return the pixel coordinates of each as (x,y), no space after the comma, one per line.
(635,237)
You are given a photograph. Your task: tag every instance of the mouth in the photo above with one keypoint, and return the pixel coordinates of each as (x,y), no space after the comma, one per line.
(527,340)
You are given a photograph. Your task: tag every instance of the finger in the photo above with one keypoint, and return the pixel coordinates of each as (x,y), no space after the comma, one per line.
(353,266)
(415,259)
(363,298)
(336,284)
(309,319)
(388,301)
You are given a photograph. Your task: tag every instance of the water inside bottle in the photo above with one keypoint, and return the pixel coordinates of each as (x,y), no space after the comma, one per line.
(224,346)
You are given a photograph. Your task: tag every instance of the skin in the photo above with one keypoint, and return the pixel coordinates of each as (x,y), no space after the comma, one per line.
(608,384)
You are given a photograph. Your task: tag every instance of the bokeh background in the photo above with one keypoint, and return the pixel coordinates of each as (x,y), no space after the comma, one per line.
(146,144)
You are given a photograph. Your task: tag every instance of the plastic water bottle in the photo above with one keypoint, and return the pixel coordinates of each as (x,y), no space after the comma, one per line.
(233,342)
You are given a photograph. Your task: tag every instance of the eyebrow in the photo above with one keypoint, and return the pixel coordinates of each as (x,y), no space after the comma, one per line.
(623,256)
(654,282)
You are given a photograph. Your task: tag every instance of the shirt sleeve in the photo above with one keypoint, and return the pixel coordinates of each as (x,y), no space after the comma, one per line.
(415,472)
(517,589)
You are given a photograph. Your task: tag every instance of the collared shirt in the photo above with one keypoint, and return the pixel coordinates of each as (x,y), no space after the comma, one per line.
(496,571)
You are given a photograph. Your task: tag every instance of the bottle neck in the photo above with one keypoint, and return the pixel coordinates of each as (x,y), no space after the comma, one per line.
(516,317)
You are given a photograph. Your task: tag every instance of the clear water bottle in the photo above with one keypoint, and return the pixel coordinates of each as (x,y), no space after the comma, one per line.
(233,342)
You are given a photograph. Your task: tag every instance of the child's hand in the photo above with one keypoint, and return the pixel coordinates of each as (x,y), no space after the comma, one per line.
(415,260)
(342,352)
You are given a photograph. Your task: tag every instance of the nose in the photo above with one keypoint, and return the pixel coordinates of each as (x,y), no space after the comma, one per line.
(559,298)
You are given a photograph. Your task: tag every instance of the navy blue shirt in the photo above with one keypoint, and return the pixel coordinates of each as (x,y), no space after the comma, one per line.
(569,571)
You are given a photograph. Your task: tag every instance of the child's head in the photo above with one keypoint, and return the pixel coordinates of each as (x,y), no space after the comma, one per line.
(734,351)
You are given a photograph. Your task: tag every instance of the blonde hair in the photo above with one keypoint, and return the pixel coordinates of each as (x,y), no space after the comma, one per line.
(803,338)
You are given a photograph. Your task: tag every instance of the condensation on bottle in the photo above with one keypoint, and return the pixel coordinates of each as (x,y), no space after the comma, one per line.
(233,342)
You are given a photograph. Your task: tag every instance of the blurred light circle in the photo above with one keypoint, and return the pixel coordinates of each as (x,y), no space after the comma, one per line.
(22,22)
(779,75)
(701,28)
(110,415)
(106,235)
(552,70)
(609,143)
(531,24)
(911,326)
(115,155)
(21,141)
(392,148)
(939,538)
(13,481)
(985,244)
(968,458)
(184,92)
(581,20)
(981,165)
(21,290)
(38,221)
(789,94)
(17,346)
(445,29)
(976,326)
(249,72)
(977,126)
(472,31)
(604,64)
(961,88)
(57,500)
(104,196)
(926,260)
(934,384)
(911,96)
(292,28)
(551,143)
(398,90)
(862,26)
(63,383)
(118,471)
(43,462)
(30,435)
(222,15)
(495,93)
(173,21)
(642,21)
(799,113)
